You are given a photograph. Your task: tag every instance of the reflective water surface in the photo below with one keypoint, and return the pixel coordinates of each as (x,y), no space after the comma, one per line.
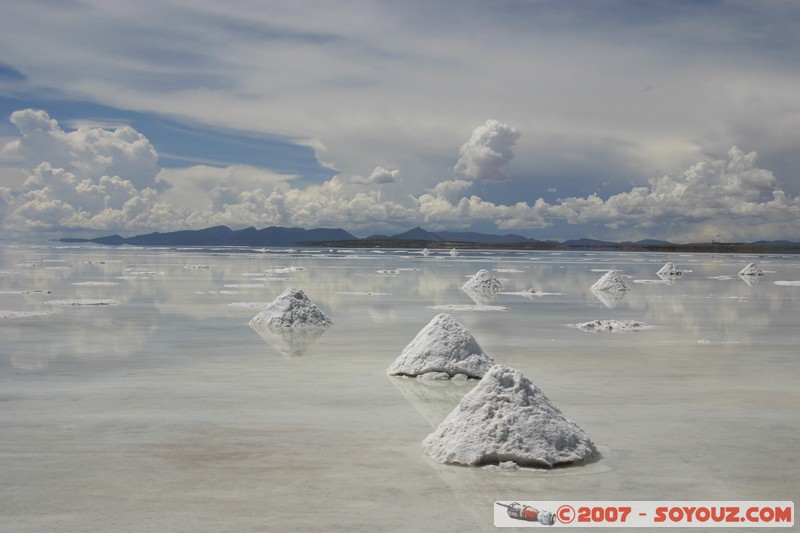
(135,397)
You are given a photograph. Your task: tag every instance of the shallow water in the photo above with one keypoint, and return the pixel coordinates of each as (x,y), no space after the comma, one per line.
(166,412)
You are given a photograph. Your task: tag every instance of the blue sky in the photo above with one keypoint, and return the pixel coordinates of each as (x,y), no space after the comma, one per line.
(605,119)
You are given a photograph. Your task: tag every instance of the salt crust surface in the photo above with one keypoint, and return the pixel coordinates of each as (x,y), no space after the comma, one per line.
(34,291)
(291,308)
(86,301)
(359,293)
(95,283)
(443,346)
(506,417)
(613,326)
(282,270)
(610,281)
(249,305)
(143,273)
(788,283)
(22,314)
(530,293)
(467,307)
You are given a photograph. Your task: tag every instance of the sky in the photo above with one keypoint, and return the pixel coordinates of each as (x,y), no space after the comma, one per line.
(606,119)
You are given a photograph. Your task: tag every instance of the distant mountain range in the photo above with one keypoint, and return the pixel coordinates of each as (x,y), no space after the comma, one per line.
(419,234)
(276,236)
(225,236)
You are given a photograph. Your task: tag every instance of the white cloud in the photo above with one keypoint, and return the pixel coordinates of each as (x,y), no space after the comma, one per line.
(55,199)
(440,212)
(88,152)
(379,80)
(720,199)
(331,204)
(487,150)
(379,176)
(5,201)
(730,198)
(191,187)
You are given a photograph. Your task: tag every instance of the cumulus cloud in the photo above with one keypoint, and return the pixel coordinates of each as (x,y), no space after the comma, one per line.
(730,198)
(725,199)
(193,187)
(70,188)
(440,212)
(330,204)
(89,152)
(379,176)
(55,199)
(720,199)
(487,150)
(5,201)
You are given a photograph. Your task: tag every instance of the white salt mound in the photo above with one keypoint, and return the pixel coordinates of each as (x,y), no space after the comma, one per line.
(610,281)
(751,270)
(483,282)
(669,269)
(612,325)
(504,418)
(291,309)
(445,346)
(470,307)
(85,301)
(21,314)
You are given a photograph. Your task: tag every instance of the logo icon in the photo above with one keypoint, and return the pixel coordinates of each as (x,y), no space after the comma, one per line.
(529,514)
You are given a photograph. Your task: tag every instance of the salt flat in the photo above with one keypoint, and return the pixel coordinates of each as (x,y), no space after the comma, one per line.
(167,412)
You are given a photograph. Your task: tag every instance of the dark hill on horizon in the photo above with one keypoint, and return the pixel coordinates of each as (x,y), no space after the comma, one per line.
(276,236)
(225,236)
(419,234)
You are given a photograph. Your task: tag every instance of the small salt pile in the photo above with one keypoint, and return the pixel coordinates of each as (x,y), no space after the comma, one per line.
(426,252)
(445,349)
(669,269)
(291,309)
(612,325)
(483,282)
(482,287)
(454,252)
(610,281)
(751,270)
(504,418)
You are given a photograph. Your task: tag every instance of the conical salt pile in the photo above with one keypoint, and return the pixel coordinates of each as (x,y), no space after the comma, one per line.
(291,309)
(610,281)
(445,346)
(669,269)
(483,282)
(751,270)
(508,418)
